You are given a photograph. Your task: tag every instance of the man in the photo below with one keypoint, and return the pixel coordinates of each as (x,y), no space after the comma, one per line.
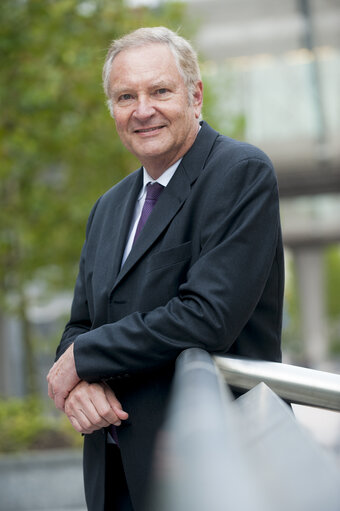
(206,269)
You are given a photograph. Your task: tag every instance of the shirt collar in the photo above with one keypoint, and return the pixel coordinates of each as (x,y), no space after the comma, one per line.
(162,180)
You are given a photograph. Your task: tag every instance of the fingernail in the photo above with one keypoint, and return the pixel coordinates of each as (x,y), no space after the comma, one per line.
(118,423)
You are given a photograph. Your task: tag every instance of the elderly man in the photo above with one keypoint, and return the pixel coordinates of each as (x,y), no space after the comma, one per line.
(184,252)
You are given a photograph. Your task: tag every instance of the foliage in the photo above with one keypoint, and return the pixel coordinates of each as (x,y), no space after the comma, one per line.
(24,426)
(219,107)
(58,145)
(333,281)
(333,294)
(291,334)
(291,325)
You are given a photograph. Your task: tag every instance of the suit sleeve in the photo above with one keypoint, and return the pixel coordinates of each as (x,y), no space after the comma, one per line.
(80,321)
(219,295)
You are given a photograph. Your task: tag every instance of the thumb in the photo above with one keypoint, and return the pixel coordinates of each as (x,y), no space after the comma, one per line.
(120,413)
(115,404)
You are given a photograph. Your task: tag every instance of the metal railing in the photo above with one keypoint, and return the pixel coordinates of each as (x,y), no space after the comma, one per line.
(298,385)
(216,453)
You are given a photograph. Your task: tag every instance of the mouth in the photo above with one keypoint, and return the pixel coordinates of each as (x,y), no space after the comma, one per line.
(149,130)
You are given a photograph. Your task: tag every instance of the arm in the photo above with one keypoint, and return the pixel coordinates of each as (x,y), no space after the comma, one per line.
(63,377)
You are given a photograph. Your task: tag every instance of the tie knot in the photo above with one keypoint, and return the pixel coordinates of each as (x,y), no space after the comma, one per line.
(153,191)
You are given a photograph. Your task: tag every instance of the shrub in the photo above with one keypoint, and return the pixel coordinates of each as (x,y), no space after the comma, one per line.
(25,426)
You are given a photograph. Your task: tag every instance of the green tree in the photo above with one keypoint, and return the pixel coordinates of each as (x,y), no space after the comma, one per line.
(58,146)
(219,108)
(332,261)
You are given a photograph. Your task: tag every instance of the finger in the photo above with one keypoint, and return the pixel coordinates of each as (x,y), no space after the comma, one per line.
(121,413)
(86,424)
(73,420)
(82,403)
(50,391)
(50,387)
(115,404)
(93,417)
(102,404)
(78,419)
(80,428)
(59,401)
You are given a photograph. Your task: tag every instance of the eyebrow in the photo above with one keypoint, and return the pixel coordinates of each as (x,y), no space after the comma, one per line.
(162,84)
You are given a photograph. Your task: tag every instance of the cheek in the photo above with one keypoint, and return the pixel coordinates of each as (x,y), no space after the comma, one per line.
(120,119)
(118,123)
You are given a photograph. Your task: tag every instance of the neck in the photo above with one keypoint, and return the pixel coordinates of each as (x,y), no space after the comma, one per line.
(156,168)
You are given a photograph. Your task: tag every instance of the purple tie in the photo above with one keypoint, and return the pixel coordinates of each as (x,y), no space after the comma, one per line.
(153,191)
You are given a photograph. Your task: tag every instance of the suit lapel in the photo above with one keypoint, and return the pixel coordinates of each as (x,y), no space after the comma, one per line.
(171,200)
(122,221)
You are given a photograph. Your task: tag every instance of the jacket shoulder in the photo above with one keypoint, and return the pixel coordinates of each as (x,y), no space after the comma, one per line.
(122,188)
(237,151)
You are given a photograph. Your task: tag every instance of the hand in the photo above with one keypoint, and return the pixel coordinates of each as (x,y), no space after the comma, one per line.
(92,406)
(62,378)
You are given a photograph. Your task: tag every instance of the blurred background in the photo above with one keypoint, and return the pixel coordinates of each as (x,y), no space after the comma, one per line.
(271,71)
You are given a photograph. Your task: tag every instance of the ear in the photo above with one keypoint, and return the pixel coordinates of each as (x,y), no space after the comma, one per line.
(197,99)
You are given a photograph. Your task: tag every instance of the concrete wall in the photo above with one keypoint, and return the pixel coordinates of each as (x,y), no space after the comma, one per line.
(42,481)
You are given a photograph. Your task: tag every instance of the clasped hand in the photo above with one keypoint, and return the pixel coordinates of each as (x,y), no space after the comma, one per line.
(92,406)
(89,406)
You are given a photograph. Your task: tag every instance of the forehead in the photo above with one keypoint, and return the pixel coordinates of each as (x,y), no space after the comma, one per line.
(149,62)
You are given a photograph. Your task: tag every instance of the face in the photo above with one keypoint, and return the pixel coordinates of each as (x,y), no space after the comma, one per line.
(154,117)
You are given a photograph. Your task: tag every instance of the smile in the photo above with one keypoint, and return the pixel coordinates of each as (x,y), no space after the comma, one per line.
(148,130)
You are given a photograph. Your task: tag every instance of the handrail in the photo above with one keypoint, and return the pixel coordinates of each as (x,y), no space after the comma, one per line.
(295,384)
(197,454)
(216,452)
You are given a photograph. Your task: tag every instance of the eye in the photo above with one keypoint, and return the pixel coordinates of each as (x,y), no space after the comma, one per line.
(125,97)
(161,92)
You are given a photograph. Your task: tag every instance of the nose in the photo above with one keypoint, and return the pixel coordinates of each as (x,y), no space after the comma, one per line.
(144,108)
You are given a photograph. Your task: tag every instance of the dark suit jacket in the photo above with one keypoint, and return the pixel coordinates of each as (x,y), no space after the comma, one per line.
(206,271)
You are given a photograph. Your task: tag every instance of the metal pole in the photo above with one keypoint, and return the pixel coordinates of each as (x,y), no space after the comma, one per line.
(249,454)
(199,462)
(315,80)
(295,384)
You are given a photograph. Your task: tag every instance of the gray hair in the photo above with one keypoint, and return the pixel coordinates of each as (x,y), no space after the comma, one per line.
(185,56)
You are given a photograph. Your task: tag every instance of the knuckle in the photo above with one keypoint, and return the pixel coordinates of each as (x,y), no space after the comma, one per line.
(69,408)
(70,403)
(105,410)
(77,393)
(94,391)
(98,421)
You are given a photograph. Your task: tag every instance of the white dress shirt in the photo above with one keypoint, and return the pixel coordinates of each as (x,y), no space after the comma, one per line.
(162,180)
